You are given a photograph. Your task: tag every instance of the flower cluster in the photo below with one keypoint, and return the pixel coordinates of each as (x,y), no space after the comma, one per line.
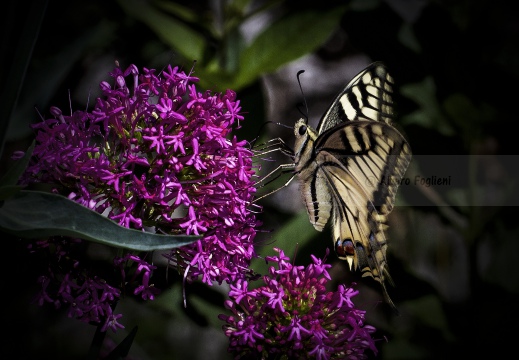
(158,155)
(293,316)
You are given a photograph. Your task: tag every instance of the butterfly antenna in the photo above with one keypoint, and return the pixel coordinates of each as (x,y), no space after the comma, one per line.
(261,127)
(303,94)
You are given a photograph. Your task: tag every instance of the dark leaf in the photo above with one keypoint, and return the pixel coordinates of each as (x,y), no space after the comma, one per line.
(35,214)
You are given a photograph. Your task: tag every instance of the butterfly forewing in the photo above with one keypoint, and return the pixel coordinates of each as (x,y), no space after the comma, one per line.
(350,169)
(366,97)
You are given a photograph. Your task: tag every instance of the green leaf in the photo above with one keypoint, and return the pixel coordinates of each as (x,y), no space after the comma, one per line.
(408,38)
(36,214)
(429,115)
(287,39)
(428,311)
(180,11)
(175,33)
(470,117)
(240,5)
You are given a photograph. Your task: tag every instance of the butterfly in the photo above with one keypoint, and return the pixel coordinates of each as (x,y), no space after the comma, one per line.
(349,170)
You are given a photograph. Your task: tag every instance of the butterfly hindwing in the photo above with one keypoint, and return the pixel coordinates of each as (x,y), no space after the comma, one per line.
(350,170)
(363,163)
(374,154)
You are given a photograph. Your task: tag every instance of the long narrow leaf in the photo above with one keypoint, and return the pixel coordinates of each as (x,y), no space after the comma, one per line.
(35,214)
(175,33)
(286,40)
(122,350)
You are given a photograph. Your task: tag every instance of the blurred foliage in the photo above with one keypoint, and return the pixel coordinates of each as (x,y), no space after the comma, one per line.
(455,65)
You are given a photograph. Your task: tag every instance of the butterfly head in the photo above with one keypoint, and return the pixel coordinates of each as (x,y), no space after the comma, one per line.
(300,128)
(305,136)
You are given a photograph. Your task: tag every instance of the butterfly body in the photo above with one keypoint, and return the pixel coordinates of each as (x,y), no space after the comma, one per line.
(349,170)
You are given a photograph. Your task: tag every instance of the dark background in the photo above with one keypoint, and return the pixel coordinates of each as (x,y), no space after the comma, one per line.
(453,249)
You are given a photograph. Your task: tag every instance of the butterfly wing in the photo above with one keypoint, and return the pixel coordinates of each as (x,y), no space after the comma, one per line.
(362,164)
(366,97)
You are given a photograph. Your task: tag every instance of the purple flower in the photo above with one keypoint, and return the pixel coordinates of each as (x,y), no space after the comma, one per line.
(111,321)
(293,316)
(87,297)
(155,153)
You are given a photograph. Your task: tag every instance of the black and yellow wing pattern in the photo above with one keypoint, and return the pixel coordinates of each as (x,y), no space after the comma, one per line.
(350,168)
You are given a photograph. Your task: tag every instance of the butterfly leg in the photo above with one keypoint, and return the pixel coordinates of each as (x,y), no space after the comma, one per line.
(281,169)
(272,145)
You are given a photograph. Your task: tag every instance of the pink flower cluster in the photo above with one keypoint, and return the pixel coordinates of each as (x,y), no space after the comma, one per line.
(154,154)
(293,316)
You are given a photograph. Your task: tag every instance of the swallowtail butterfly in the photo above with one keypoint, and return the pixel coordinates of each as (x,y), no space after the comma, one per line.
(350,168)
